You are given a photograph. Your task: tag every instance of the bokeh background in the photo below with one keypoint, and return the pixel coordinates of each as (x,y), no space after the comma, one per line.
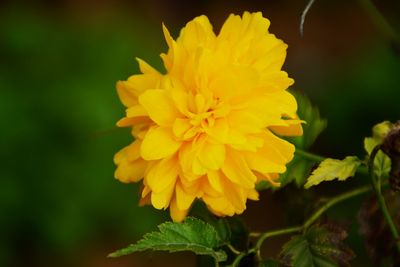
(59,62)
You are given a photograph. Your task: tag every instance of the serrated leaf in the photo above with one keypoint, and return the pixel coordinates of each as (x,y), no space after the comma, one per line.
(331,169)
(319,246)
(221,225)
(191,235)
(382,162)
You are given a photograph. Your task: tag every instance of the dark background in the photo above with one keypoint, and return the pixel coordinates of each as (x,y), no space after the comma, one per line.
(59,62)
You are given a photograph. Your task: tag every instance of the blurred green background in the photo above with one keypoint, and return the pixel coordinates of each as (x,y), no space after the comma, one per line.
(59,62)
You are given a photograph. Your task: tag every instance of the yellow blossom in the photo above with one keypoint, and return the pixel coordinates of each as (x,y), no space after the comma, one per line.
(209,127)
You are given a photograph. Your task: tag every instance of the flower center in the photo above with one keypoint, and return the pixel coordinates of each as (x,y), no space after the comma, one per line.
(203,112)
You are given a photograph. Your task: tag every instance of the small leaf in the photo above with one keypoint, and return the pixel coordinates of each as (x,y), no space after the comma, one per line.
(382,162)
(319,246)
(191,235)
(331,169)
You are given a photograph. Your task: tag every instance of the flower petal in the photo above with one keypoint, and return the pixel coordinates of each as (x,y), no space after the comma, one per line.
(158,143)
(237,170)
(161,200)
(212,156)
(197,32)
(159,106)
(177,215)
(214,178)
(162,173)
(183,199)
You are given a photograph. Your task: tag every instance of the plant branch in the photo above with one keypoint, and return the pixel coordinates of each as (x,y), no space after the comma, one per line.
(376,183)
(333,201)
(296,229)
(308,155)
(233,249)
(304,14)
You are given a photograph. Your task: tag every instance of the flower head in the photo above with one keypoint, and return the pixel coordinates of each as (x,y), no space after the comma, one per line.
(209,127)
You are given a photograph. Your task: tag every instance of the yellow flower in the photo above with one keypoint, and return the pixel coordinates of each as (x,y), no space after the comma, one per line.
(208,129)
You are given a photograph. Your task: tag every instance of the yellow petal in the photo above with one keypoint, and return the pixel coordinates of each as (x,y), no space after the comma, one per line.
(197,32)
(219,205)
(253,194)
(128,172)
(212,156)
(146,68)
(159,106)
(177,215)
(183,199)
(128,122)
(129,90)
(180,127)
(263,161)
(128,97)
(214,179)
(161,200)
(235,195)
(136,111)
(245,122)
(284,102)
(237,170)
(294,128)
(189,160)
(282,148)
(158,143)
(161,174)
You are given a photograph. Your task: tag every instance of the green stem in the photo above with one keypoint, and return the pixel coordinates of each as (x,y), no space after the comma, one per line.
(263,236)
(233,249)
(376,183)
(333,201)
(380,21)
(237,260)
(269,234)
(308,155)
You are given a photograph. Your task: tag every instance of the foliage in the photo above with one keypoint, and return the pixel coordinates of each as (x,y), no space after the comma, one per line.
(382,161)
(331,169)
(319,246)
(191,235)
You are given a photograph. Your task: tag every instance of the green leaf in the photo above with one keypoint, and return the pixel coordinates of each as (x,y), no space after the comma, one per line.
(191,235)
(299,168)
(331,169)
(200,211)
(319,246)
(382,163)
